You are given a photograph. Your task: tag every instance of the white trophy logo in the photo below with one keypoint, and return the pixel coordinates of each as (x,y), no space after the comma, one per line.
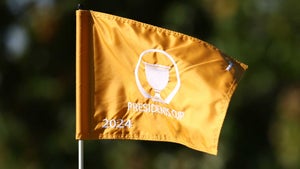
(157,76)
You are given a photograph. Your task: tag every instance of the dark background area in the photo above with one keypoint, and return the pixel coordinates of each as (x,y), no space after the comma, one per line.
(37,84)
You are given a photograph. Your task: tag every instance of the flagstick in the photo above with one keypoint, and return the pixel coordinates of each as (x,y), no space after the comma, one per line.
(80,154)
(80,142)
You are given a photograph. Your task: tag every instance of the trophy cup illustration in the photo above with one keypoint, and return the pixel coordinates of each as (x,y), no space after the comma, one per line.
(158,77)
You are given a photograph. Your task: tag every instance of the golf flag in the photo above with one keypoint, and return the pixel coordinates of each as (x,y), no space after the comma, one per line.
(141,82)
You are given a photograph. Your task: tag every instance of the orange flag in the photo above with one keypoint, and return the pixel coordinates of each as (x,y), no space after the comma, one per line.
(141,82)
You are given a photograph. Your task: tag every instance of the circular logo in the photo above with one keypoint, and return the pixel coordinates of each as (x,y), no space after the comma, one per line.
(157,76)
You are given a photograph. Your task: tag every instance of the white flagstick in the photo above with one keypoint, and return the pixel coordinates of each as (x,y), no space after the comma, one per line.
(80,142)
(80,154)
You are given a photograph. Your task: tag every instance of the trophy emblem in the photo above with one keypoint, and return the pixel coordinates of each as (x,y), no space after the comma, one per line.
(157,76)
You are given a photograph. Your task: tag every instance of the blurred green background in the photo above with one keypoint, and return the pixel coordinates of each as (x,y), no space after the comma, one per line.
(37,84)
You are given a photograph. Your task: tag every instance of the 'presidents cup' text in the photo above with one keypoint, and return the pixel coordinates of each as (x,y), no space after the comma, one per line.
(154,108)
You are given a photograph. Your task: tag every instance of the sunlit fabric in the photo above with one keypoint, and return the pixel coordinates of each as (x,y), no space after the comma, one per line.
(141,82)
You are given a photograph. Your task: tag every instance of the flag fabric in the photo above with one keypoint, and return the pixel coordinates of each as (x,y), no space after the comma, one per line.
(141,82)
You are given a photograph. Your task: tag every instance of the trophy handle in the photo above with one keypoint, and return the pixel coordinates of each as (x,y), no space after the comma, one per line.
(142,90)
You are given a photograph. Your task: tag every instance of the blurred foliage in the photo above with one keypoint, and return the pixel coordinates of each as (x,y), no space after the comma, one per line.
(37,84)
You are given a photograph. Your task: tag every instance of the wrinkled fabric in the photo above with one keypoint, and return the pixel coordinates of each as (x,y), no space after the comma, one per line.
(141,82)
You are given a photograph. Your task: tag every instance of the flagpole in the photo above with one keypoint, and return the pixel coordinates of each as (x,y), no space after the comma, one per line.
(80,142)
(80,154)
